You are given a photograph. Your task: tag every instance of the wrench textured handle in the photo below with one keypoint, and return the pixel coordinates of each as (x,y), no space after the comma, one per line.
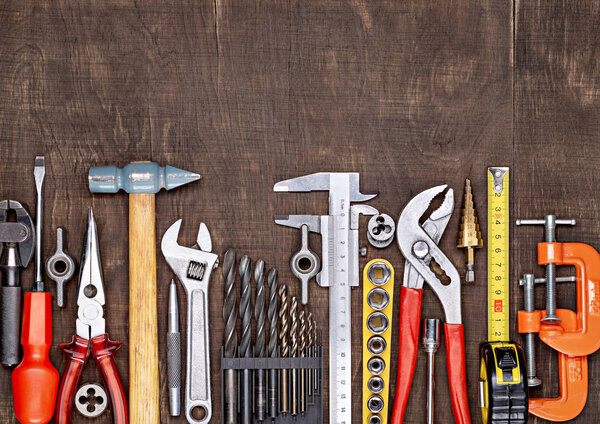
(11,325)
(77,353)
(457,376)
(197,378)
(104,350)
(410,319)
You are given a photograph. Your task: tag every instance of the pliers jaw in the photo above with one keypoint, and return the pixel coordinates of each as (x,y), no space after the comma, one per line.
(90,295)
(26,243)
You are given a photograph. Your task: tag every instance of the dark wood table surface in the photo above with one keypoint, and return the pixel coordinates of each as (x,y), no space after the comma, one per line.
(408,93)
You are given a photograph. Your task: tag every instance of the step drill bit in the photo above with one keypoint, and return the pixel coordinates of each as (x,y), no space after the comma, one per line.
(174,353)
(284,399)
(301,353)
(273,389)
(260,348)
(294,353)
(230,351)
(469,235)
(244,349)
(309,353)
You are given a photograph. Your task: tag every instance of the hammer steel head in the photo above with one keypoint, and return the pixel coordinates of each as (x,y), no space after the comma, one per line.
(138,177)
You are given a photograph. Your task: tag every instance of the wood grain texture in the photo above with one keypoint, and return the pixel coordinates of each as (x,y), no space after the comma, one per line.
(144,403)
(408,93)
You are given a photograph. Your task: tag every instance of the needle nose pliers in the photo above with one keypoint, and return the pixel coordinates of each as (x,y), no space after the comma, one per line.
(91,335)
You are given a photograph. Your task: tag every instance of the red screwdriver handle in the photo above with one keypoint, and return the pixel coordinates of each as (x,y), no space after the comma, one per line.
(35,380)
(410,318)
(77,353)
(103,351)
(455,363)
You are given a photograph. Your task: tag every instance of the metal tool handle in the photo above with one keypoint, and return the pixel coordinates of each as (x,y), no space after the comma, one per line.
(197,376)
(457,376)
(11,316)
(410,321)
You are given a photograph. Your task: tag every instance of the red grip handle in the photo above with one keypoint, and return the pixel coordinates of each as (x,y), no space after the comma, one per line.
(103,351)
(410,318)
(457,376)
(35,380)
(77,353)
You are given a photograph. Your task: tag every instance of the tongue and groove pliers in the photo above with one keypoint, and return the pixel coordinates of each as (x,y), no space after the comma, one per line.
(419,245)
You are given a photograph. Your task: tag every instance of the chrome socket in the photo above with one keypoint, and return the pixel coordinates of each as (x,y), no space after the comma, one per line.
(376,365)
(375,419)
(379,273)
(376,345)
(378,299)
(376,384)
(378,323)
(375,404)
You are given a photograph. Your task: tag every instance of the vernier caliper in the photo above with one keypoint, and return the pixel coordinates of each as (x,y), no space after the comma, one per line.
(339,271)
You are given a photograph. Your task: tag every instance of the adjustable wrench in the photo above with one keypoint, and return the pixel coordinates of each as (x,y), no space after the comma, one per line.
(193,266)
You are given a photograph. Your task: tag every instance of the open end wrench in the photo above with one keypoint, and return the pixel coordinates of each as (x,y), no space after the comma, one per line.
(193,266)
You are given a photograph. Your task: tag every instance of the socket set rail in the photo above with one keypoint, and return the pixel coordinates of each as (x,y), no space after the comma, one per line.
(314,403)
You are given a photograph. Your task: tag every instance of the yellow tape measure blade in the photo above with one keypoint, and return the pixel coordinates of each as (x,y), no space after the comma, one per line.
(498,254)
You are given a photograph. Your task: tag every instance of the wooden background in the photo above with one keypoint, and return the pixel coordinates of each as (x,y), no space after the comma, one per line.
(408,93)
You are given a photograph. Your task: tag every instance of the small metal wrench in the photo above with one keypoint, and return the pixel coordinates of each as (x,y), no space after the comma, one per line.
(60,267)
(193,266)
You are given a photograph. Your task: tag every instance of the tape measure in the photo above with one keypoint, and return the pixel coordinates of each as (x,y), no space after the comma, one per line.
(503,391)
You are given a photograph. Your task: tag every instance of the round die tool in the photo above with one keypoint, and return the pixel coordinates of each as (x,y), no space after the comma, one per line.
(60,267)
(91,400)
(381,230)
(305,264)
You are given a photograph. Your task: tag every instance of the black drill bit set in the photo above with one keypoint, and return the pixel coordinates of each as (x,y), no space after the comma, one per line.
(279,381)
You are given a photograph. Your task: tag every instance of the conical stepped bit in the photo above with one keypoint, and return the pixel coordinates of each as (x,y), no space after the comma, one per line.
(469,235)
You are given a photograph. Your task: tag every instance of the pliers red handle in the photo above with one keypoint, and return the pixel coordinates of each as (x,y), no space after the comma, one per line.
(77,353)
(419,245)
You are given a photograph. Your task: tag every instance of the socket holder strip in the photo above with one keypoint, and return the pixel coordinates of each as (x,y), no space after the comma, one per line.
(378,275)
(314,403)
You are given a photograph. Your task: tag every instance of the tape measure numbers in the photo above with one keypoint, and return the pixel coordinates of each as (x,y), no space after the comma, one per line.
(503,392)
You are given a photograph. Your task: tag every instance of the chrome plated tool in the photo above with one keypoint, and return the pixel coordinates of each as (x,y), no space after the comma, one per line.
(339,271)
(60,267)
(174,353)
(193,267)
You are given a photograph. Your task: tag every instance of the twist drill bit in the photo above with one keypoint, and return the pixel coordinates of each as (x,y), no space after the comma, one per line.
(294,353)
(284,404)
(244,350)
(469,235)
(309,352)
(260,349)
(230,351)
(317,336)
(273,389)
(301,353)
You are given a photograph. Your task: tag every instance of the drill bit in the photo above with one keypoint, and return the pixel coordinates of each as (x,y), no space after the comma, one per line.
(294,353)
(230,351)
(309,352)
(317,336)
(301,353)
(273,389)
(244,349)
(260,350)
(174,353)
(469,235)
(284,405)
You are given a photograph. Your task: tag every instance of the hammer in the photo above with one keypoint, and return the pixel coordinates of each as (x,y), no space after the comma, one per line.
(142,180)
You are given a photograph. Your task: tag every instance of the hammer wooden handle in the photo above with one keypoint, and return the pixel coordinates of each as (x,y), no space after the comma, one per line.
(143,324)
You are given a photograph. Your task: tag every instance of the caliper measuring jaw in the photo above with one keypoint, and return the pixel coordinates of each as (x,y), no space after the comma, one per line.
(339,269)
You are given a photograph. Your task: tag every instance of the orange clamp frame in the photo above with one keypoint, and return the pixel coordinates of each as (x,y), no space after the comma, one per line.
(573,371)
(584,339)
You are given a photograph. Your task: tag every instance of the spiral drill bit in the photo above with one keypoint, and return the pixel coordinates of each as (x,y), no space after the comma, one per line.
(244,350)
(309,352)
(260,349)
(230,351)
(294,353)
(273,389)
(301,353)
(316,354)
(284,404)
(469,235)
